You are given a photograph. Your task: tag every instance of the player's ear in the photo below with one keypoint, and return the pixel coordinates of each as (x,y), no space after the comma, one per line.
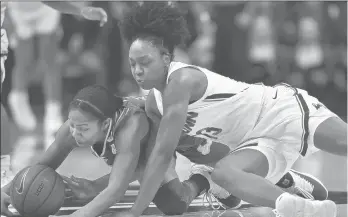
(106,124)
(166,59)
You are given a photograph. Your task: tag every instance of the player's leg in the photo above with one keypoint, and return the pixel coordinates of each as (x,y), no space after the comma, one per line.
(4,116)
(331,136)
(47,30)
(24,54)
(321,128)
(245,179)
(242,174)
(174,196)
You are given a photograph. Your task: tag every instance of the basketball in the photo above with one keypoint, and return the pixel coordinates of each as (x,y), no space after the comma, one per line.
(37,191)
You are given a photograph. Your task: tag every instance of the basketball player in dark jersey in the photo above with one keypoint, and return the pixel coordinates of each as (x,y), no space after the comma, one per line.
(117,131)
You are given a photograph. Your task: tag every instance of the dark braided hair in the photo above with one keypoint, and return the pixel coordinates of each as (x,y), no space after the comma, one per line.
(98,101)
(161,23)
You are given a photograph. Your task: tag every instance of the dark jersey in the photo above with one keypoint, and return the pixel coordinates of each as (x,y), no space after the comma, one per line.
(108,150)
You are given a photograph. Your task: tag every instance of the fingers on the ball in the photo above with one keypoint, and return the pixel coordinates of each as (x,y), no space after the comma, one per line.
(65,179)
(69,197)
(78,180)
(70,182)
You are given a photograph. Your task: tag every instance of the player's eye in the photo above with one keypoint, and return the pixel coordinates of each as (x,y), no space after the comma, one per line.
(83,129)
(145,62)
(132,64)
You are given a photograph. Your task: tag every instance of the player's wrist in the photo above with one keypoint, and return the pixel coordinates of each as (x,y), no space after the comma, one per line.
(135,211)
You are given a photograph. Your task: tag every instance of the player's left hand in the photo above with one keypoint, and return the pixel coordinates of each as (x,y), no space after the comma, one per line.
(79,189)
(94,13)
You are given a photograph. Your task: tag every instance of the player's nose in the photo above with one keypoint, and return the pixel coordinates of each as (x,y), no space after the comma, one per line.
(138,71)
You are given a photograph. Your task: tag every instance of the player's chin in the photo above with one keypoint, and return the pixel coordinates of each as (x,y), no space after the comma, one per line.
(83,143)
(144,85)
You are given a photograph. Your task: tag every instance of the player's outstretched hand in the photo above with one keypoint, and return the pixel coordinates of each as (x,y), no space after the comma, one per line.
(94,13)
(5,202)
(79,189)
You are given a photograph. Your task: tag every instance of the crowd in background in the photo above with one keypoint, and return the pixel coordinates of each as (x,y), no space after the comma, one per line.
(300,43)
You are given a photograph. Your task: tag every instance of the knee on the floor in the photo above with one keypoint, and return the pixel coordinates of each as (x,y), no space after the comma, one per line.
(170,198)
(177,209)
(171,205)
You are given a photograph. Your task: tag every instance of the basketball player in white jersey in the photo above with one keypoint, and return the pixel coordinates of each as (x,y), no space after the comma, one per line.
(263,130)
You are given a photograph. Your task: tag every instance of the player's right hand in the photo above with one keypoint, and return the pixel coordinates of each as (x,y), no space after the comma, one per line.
(5,202)
(79,189)
(94,13)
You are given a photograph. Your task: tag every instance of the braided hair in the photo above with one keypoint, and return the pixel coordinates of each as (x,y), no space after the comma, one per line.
(161,23)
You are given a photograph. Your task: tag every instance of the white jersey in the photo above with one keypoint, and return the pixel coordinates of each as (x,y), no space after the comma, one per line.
(226,113)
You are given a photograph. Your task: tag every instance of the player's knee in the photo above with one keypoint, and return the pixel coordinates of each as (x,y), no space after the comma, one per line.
(178,209)
(170,198)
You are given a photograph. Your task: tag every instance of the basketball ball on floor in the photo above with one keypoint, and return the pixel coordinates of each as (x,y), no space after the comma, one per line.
(37,191)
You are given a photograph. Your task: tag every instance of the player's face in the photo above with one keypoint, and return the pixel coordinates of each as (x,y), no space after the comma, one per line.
(85,129)
(148,65)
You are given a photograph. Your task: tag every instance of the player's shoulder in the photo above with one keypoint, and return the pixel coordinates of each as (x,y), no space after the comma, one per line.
(185,75)
(132,116)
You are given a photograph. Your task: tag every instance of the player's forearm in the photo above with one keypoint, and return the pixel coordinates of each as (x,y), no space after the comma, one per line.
(107,198)
(115,190)
(101,183)
(153,176)
(167,140)
(66,7)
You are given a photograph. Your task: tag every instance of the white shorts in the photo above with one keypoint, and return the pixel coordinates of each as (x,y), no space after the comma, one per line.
(33,21)
(285,131)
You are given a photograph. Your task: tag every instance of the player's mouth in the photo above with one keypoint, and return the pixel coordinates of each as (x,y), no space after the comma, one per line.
(79,143)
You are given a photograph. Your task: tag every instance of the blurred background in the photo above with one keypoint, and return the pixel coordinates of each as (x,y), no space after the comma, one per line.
(52,56)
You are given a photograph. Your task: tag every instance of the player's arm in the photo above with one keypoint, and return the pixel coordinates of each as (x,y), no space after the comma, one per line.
(57,152)
(63,144)
(85,190)
(123,168)
(176,99)
(77,8)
